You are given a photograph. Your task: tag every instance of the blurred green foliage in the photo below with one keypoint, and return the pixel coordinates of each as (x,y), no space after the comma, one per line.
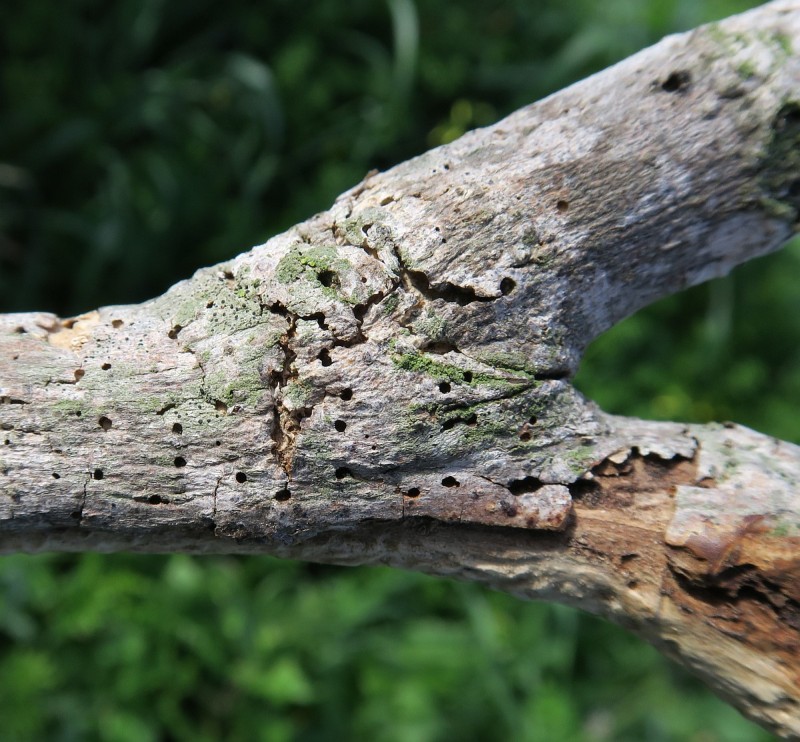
(142,139)
(727,350)
(175,648)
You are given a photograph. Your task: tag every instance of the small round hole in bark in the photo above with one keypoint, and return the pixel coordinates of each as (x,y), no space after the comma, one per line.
(97,474)
(444,387)
(346,395)
(507,285)
(326,278)
(562,206)
(180,461)
(155,500)
(584,489)
(325,358)
(78,413)
(468,376)
(79,374)
(241,477)
(343,472)
(221,407)
(106,366)
(340,426)
(105,423)
(283,495)
(117,323)
(450,482)
(174,332)
(177,428)
(676,82)
(56,475)
(532,420)
(217,443)
(412,492)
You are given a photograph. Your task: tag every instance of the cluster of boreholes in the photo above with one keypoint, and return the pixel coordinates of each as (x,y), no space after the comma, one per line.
(448,292)
(516,487)
(287,422)
(106,423)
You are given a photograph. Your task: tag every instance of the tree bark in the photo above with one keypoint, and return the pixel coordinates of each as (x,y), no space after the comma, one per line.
(389,382)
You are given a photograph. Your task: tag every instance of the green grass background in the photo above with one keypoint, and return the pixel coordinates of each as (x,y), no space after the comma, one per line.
(142,139)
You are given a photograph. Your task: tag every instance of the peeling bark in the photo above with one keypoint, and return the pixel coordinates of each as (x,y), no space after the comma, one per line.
(389,382)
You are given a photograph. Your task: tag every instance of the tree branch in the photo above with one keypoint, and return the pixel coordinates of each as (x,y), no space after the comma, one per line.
(389,381)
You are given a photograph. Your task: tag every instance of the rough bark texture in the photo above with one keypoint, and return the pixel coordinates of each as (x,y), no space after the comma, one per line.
(389,382)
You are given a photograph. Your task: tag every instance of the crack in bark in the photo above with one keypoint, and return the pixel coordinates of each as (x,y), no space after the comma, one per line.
(214,504)
(418,281)
(520,386)
(285,424)
(216,403)
(78,514)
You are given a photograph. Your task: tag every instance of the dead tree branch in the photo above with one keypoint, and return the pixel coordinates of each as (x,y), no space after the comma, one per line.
(389,382)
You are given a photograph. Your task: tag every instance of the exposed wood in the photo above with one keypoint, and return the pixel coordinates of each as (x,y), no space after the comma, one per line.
(389,382)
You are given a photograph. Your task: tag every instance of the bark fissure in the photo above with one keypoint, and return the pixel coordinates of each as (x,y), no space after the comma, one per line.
(286,422)
(78,514)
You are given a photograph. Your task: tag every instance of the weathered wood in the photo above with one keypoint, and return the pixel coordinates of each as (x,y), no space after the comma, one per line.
(389,382)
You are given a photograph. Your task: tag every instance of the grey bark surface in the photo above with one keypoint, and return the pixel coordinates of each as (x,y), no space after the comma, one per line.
(389,382)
